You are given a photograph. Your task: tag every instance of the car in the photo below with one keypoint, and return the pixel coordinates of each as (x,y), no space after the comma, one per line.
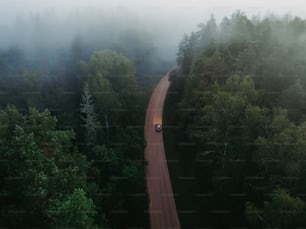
(158,127)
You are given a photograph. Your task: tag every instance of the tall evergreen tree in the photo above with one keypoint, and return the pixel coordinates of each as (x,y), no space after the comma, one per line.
(88,115)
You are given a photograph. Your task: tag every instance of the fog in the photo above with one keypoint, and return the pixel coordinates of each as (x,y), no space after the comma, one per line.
(55,24)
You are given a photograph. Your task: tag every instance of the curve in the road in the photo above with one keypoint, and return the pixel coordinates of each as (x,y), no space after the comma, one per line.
(162,209)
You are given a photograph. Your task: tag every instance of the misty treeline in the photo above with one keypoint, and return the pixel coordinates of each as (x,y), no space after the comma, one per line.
(240,97)
(72,114)
(48,39)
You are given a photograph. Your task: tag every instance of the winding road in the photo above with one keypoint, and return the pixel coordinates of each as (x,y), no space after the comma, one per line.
(162,209)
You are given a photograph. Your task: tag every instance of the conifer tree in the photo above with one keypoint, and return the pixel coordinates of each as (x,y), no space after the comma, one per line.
(88,115)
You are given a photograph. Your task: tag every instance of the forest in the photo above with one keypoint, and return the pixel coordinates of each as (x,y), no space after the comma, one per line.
(71,117)
(238,125)
(73,97)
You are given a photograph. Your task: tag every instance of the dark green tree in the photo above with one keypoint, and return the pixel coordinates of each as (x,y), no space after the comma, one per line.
(283,211)
(76,211)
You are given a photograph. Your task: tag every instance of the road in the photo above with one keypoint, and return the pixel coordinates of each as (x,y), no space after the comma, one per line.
(162,209)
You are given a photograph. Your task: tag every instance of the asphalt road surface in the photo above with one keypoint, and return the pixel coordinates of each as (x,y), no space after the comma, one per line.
(162,209)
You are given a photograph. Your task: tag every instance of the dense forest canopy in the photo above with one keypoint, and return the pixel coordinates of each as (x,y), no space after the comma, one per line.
(72,106)
(239,92)
(73,93)
(72,167)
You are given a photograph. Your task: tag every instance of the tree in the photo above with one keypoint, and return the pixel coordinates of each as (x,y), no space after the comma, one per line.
(283,211)
(42,164)
(243,114)
(185,53)
(76,211)
(281,153)
(88,115)
(225,110)
(294,100)
(112,82)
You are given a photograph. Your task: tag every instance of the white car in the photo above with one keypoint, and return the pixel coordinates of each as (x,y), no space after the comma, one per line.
(158,127)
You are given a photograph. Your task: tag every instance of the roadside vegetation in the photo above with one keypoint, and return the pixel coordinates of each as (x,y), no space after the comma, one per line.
(240,113)
(71,136)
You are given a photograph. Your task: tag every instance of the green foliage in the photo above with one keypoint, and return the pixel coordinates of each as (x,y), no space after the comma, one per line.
(281,154)
(76,211)
(112,82)
(113,67)
(41,164)
(19,84)
(125,194)
(283,211)
(226,110)
(242,114)
(294,99)
(45,156)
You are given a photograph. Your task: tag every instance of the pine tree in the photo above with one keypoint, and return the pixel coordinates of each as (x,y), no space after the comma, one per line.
(88,115)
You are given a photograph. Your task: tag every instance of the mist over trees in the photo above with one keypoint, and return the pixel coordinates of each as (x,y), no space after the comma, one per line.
(73,93)
(239,95)
(72,97)
(47,38)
